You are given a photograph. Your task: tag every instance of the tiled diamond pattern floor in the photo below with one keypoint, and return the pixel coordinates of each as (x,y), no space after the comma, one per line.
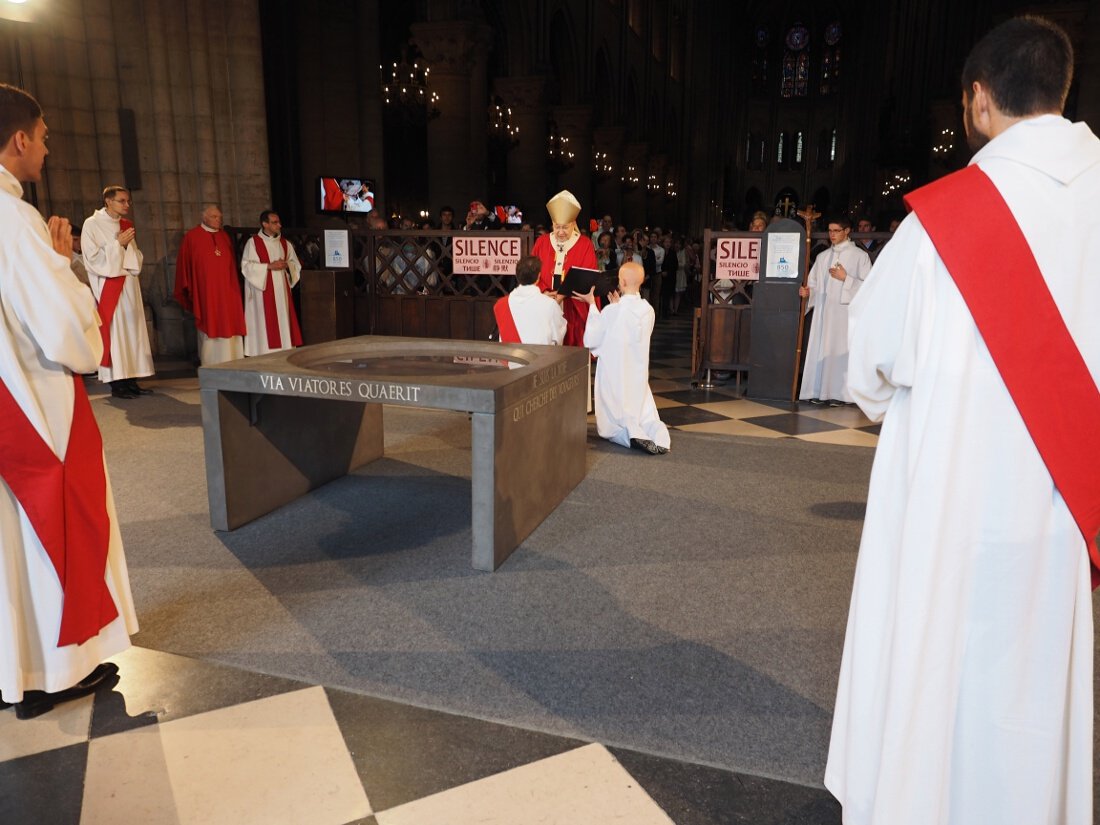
(721,411)
(187,742)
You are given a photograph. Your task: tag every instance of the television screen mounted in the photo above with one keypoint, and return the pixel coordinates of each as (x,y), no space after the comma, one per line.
(340,195)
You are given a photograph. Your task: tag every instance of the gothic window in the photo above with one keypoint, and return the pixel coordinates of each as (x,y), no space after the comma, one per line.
(830,58)
(755,151)
(826,148)
(760,61)
(787,88)
(796,62)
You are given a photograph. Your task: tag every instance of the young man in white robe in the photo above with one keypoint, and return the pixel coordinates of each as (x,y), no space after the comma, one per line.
(835,279)
(535,318)
(966,684)
(271,269)
(55,631)
(113,261)
(618,336)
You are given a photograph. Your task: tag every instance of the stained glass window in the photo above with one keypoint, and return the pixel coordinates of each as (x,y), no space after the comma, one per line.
(797,155)
(802,75)
(780,149)
(787,87)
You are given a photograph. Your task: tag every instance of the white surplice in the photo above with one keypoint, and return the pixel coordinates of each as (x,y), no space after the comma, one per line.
(538,318)
(827,351)
(104,257)
(48,330)
(618,335)
(255,277)
(965,690)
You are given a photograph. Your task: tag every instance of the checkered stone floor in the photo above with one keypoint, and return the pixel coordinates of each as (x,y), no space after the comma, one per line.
(188,742)
(721,409)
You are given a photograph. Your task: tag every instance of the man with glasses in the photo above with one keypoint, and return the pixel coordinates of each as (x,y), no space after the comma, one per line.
(835,278)
(111,256)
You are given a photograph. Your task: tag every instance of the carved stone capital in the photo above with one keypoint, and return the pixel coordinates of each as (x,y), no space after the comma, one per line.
(453,47)
(522,93)
(573,121)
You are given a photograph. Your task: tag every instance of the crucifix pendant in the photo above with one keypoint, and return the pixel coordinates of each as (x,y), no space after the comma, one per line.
(218,252)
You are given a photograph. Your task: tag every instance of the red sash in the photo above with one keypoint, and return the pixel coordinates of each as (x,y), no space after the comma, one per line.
(506,324)
(66,503)
(271,314)
(108,301)
(999,278)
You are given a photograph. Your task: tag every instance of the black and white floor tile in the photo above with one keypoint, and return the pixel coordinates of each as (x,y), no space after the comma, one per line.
(188,742)
(723,410)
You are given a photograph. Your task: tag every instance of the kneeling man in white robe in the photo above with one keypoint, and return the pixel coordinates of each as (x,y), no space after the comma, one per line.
(619,338)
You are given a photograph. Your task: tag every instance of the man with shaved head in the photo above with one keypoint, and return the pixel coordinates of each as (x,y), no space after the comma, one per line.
(208,286)
(619,338)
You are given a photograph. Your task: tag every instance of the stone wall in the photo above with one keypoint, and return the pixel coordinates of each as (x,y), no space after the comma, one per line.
(191,74)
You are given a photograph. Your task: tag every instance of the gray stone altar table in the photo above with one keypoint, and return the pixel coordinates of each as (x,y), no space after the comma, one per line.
(279,425)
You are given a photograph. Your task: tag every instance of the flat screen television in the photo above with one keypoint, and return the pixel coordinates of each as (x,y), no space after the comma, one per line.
(342,195)
(509,214)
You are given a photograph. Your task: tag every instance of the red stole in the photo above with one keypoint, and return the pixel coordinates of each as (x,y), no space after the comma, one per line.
(271,314)
(66,502)
(999,278)
(506,324)
(108,302)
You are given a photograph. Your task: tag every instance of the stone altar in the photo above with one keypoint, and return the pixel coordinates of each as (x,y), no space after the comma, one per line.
(279,425)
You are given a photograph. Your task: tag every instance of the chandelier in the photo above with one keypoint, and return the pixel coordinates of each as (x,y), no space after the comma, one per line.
(601,164)
(558,152)
(405,86)
(502,134)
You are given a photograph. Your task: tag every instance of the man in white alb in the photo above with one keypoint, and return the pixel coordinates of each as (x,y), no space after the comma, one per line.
(835,278)
(113,261)
(270,268)
(63,583)
(618,336)
(966,687)
(526,315)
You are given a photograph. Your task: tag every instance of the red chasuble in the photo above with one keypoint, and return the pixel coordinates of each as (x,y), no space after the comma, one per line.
(207,284)
(576,312)
(995,270)
(271,314)
(66,502)
(506,324)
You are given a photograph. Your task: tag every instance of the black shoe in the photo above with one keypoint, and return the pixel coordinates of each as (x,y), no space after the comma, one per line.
(37,702)
(817,402)
(646,445)
(120,389)
(132,384)
(834,403)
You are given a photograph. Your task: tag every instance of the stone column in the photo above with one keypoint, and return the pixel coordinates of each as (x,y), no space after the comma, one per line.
(527,179)
(634,197)
(608,191)
(456,167)
(575,123)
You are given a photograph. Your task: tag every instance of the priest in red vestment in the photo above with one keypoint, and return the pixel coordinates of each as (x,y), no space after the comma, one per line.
(559,251)
(207,286)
